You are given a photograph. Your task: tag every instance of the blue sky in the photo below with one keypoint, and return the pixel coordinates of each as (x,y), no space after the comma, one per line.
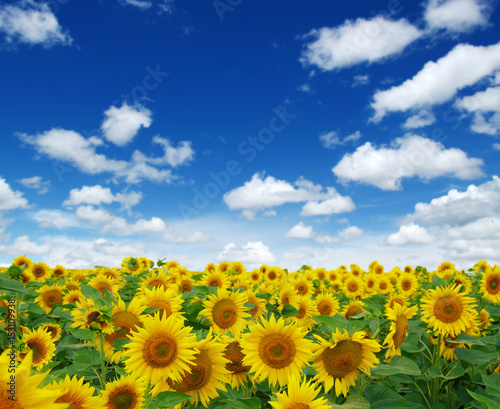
(320,133)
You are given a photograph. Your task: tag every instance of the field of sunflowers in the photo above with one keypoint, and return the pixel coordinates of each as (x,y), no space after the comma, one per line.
(156,335)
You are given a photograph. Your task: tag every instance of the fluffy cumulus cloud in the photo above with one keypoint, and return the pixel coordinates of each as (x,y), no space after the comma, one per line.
(254,253)
(31,22)
(347,234)
(300,231)
(196,237)
(96,195)
(172,156)
(357,41)
(467,223)
(23,245)
(485,106)
(456,15)
(69,147)
(407,157)
(37,183)
(439,81)
(263,193)
(55,219)
(11,199)
(410,234)
(122,124)
(422,118)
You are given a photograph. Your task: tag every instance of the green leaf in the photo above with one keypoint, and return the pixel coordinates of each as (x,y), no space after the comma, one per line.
(90,292)
(361,315)
(456,372)
(484,401)
(464,339)
(120,343)
(382,397)
(244,403)
(86,358)
(399,365)
(35,309)
(49,366)
(392,404)
(334,323)
(12,285)
(438,281)
(492,383)
(289,311)
(472,356)
(353,401)
(81,333)
(170,399)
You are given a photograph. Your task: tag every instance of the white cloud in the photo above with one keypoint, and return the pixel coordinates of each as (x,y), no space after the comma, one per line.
(11,199)
(358,41)
(330,139)
(95,195)
(409,156)
(260,194)
(106,247)
(496,146)
(29,22)
(144,5)
(481,103)
(55,219)
(37,183)
(422,118)
(122,124)
(410,234)
(347,234)
(23,245)
(484,228)
(94,216)
(334,205)
(456,15)
(360,80)
(254,252)
(460,208)
(171,156)
(70,147)
(196,237)
(438,82)
(300,231)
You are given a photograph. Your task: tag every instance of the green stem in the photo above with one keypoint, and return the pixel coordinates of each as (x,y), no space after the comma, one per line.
(435,362)
(103,361)
(423,395)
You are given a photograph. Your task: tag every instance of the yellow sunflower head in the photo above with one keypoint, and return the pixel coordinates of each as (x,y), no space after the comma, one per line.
(101,283)
(307,309)
(300,396)
(407,284)
(353,308)
(447,311)
(353,286)
(41,344)
(399,316)
(168,301)
(446,265)
(23,262)
(162,348)
(275,350)
(238,373)
(206,374)
(226,311)
(77,394)
(259,309)
(58,272)
(327,304)
(215,278)
(490,284)
(124,393)
(54,330)
(338,362)
(40,271)
(49,296)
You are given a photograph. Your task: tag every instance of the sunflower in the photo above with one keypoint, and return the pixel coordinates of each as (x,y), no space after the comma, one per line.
(49,296)
(26,393)
(72,296)
(353,286)
(58,272)
(23,262)
(101,282)
(255,276)
(300,396)
(77,394)
(464,280)
(353,308)
(273,275)
(156,279)
(327,304)
(274,350)
(446,311)
(162,348)
(446,265)
(54,330)
(186,284)
(42,345)
(79,275)
(303,286)
(210,267)
(238,373)
(237,267)
(370,280)
(205,376)
(259,309)
(484,319)
(287,295)
(226,311)
(384,285)
(40,271)
(408,269)
(399,316)
(215,278)
(490,284)
(72,284)
(86,315)
(338,362)
(125,321)
(396,299)
(124,393)
(113,273)
(306,311)
(169,301)
(407,284)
